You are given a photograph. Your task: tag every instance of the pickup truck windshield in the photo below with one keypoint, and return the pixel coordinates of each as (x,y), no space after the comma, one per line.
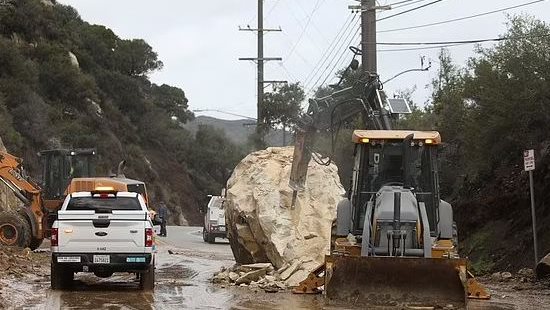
(103,204)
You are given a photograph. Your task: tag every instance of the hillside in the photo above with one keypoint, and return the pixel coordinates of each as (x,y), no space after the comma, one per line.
(237,131)
(67,83)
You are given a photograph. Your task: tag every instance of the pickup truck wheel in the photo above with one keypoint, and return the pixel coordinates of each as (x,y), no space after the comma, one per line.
(60,278)
(147,278)
(211,239)
(14,230)
(204,235)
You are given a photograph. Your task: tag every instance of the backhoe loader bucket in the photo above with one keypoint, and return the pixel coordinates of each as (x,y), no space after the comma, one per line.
(396,281)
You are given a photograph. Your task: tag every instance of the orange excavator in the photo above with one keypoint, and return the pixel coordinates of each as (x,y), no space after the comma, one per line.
(64,171)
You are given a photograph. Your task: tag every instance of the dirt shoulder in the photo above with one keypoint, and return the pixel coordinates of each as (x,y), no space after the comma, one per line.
(514,292)
(22,271)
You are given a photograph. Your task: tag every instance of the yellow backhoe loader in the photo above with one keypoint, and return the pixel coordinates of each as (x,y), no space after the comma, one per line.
(394,240)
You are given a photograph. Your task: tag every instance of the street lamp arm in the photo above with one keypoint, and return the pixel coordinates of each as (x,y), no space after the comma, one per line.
(407,71)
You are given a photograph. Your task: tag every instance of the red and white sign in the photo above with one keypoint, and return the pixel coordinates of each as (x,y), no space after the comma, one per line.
(529,160)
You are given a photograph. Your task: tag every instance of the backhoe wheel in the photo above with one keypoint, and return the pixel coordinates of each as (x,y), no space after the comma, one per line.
(14,230)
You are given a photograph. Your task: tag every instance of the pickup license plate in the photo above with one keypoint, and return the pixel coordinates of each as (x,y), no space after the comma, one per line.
(102,259)
(135,259)
(68,259)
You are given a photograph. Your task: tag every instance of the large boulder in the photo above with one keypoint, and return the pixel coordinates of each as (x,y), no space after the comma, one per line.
(264,227)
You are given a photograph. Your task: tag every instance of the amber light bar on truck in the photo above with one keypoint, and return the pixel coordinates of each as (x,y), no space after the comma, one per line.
(413,143)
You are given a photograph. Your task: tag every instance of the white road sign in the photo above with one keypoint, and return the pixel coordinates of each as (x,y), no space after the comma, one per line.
(529,160)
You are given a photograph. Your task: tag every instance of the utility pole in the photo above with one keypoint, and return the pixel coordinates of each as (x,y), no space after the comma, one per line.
(368,10)
(368,35)
(260,60)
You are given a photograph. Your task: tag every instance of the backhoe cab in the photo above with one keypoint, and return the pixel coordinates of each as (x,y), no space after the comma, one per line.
(60,166)
(402,165)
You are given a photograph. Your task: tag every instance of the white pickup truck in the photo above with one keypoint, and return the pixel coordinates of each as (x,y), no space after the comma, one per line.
(214,219)
(103,232)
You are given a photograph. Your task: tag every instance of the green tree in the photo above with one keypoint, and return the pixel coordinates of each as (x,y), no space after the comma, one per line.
(282,106)
(173,100)
(213,158)
(421,118)
(136,58)
(508,95)
(97,43)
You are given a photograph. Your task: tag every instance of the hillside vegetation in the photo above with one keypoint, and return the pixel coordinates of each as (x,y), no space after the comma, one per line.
(67,83)
(488,112)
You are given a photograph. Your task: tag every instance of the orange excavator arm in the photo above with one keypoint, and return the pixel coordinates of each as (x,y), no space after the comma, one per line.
(12,174)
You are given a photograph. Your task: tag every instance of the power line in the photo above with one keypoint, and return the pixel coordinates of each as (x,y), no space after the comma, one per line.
(315,8)
(321,33)
(420,48)
(462,18)
(406,4)
(289,42)
(404,1)
(345,48)
(272,9)
(290,75)
(409,10)
(354,38)
(223,112)
(464,41)
(330,49)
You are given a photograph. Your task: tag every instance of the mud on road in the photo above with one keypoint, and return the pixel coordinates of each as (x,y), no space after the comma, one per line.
(185,265)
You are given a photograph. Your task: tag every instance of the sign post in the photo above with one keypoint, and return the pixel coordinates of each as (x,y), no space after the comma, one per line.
(529,165)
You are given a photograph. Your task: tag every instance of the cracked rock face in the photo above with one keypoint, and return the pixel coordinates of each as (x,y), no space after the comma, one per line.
(262,224)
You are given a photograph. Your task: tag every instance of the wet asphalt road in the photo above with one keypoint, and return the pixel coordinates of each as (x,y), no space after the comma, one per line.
(182,282)
(185,264)
(182,279)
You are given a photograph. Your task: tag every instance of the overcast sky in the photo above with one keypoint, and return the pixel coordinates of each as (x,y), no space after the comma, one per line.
(200,44)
